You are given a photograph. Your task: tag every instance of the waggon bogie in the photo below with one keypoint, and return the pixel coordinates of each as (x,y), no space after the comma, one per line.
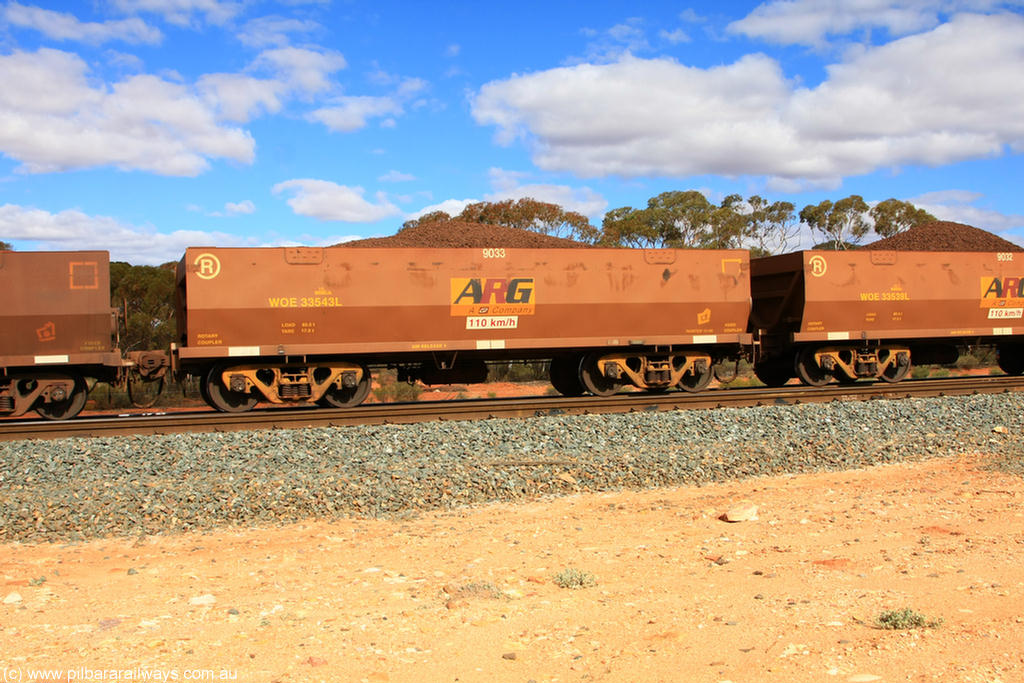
(232,387)
(602,373)
(815,366)
(53,395)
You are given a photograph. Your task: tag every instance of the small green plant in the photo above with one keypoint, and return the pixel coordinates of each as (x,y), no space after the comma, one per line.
(905,618)
(968,361)
(475,589)
(390,390)
(920,371)
(574,578)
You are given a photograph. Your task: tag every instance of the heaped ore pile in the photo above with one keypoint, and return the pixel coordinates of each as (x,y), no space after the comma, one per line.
(463,235)
(945,236)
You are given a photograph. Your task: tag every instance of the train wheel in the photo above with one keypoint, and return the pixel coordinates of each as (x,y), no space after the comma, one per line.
(696,381)
(592,379)
(222,398)
(773,374)
(808,370)
(1010,359)
(347,397)
(565,376)
(897,372)
(70,406)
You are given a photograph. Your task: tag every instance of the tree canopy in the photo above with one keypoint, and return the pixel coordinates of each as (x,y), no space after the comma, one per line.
(147,293)
(893,216)
(842,224)
(525,214)
(688,219)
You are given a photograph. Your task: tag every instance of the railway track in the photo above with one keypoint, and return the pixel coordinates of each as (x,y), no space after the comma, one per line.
(477,409)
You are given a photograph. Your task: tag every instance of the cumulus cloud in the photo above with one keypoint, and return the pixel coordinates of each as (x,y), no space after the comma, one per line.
(65,26)
(512,185)
(962,206)
(811,22)
(184,12)
(274,31)
(452,207)
(394,176)
(303,70)
(53,118)
(238,97)
(352,113)
(950,94)
(72,229)
(509,185)
(238,208)
(327,201)
(611,44)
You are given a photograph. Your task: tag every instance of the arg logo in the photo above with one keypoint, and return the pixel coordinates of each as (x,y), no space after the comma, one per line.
(492,296)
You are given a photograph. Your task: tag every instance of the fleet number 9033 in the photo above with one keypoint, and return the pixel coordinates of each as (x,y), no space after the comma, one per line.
(494,253)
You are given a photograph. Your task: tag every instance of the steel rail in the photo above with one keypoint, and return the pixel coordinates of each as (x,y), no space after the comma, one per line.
(476,409)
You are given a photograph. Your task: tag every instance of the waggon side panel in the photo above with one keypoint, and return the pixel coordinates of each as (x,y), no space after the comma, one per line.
(56,309)
(908,295)
(338,300)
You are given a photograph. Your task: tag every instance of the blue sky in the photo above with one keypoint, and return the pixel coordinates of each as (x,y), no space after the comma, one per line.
(145,126)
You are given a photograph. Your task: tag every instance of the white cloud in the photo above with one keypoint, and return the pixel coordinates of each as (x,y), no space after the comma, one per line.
(123,61)
(675,37)
(238,97)
(951,94)
(507,185)
(808,22)
(73,229)
(961,206)
(452,207)
(353,113)
(394,176)
(303,70)
(291,71)
(184,12)
(66,26)
(616,42)
(274,30)
(239,208)
(53,118)
(327,201)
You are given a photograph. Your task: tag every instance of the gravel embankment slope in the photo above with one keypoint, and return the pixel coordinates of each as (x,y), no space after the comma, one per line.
(87,488)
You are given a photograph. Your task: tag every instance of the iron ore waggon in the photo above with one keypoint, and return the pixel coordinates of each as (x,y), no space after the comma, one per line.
(820,315)
(56,329)
(299,324)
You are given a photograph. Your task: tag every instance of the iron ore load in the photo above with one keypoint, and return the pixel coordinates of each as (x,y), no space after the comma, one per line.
(307,324)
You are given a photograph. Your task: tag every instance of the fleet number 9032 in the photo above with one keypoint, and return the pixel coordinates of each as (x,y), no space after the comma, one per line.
(1004,256)
(494,253)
